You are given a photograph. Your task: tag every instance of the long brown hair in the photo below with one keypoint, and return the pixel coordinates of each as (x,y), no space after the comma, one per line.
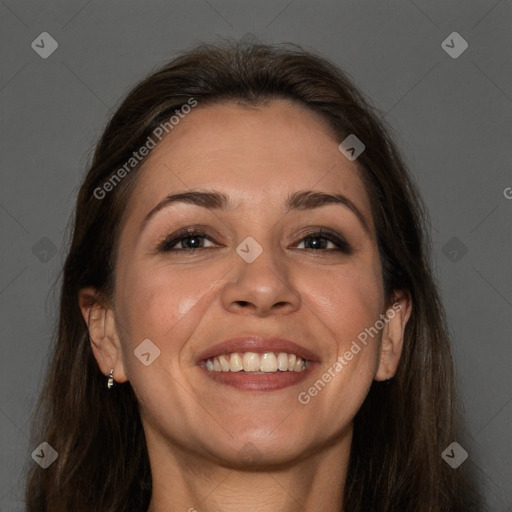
(401,429)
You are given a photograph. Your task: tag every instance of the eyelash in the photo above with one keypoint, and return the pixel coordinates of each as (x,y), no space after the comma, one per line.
(167,244)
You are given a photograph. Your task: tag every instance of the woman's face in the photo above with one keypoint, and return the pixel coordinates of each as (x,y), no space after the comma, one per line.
(255,272)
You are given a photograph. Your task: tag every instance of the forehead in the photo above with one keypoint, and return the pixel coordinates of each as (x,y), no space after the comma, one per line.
(255,155)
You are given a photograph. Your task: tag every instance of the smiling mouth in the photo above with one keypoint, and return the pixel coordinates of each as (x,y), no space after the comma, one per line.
(252,371)
(256,363)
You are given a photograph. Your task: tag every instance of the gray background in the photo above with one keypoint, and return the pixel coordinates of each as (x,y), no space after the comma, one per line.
(452,120)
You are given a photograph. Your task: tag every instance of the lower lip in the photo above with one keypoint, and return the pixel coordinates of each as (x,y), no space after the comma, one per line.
(248,381)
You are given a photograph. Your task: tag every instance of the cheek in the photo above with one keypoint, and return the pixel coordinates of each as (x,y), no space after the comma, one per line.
(347,303)
(161,305)
(346,300)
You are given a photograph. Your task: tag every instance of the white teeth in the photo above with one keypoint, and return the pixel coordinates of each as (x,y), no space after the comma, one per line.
(251,362)
(299,365)
(235,363)
(282,361)
(268,362)
(224,363)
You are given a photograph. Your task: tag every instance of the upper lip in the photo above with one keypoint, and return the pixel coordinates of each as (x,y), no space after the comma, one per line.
(258,344)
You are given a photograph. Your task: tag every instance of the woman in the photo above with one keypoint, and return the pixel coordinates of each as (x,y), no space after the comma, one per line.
(248,316)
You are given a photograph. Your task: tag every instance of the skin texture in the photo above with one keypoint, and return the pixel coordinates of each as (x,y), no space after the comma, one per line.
(196,429)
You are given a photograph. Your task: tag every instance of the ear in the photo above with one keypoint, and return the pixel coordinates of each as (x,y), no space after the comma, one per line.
(392,340)
(103,333)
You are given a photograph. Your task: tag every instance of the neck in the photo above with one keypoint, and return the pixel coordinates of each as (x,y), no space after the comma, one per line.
(184,481)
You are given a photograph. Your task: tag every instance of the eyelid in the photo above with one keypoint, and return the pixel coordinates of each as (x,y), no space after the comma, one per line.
(177,236)
(166,243)
(333,236)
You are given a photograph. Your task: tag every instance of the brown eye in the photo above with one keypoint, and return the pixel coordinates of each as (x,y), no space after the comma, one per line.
(190,240)
(319,239)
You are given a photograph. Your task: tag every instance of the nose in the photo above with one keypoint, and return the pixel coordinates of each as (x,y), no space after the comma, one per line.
(261,288)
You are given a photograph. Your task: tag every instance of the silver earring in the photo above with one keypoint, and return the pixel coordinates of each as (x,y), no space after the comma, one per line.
(110,382)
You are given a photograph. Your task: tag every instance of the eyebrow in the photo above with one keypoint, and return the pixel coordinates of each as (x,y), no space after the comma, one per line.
(300,201)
